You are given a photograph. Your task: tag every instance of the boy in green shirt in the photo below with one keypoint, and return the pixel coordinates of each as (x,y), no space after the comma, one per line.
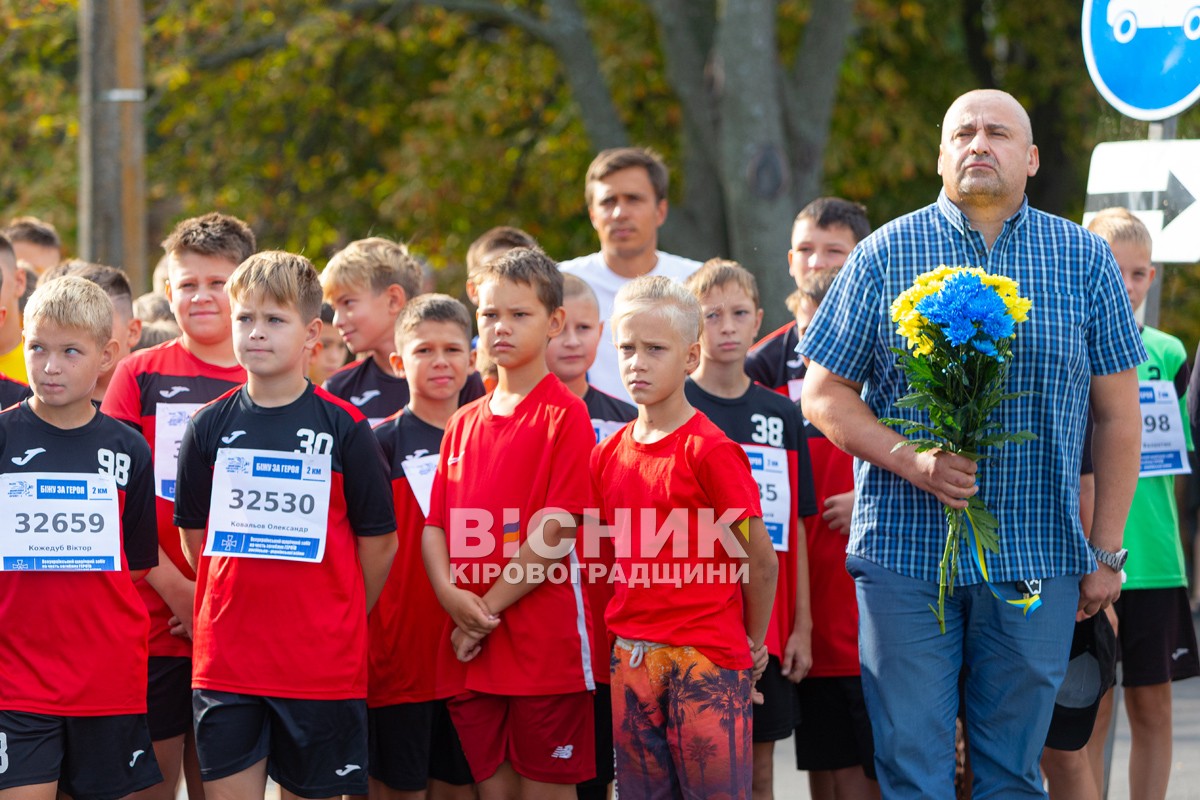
(1158,641)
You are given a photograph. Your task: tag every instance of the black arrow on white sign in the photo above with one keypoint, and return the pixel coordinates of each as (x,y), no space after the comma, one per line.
(1172,202)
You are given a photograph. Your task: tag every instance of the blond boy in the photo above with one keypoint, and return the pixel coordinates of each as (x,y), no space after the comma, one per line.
(368,283)
(79,528)
(690,642)
(284,511)
(1155,630)
(771,430)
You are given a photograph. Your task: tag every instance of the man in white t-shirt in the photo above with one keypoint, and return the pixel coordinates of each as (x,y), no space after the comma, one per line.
(626,193)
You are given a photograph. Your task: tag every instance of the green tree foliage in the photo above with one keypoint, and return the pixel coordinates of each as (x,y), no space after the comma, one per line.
(322,122)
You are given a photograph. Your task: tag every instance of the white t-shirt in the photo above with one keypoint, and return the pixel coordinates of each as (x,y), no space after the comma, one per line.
(604,374)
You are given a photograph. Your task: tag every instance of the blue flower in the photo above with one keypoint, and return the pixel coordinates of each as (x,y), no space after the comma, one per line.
(968,311)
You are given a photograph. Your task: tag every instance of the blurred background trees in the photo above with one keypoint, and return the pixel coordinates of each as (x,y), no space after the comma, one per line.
(322,122)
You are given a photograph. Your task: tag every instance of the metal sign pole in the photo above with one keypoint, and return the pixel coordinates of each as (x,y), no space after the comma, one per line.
(1159,132)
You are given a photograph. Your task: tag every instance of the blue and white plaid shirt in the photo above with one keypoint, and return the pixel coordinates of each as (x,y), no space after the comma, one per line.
(1081,325)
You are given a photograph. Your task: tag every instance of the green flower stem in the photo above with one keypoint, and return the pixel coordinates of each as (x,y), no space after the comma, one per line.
(948,566)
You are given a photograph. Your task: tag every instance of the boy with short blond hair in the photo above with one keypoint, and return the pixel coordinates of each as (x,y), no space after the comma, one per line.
(284,512)
(569,356)
(513,473)
(368,283)
(414,746)
(771,431)
(1156,632)
(155,391)
(690,641)
(127,329)
(78,517)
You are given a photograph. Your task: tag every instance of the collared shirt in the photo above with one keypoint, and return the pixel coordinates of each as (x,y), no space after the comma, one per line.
(1081,325)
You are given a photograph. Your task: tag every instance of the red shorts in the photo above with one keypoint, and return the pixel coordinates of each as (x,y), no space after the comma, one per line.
(548,738)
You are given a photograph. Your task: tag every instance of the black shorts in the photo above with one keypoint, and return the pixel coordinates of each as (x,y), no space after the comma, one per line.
(1157,636)
(92,758)
(780,711)
(605,758)
(314,748)
(169,697)
(410,743)
(834,730)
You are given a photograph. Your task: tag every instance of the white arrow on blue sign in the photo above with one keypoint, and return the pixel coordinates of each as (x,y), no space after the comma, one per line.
(1144,55)
(1159,182)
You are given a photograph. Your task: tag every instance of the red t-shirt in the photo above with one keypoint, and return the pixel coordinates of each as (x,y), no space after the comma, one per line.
(74,643)
(694,472)
(834,603)
(164,379)
(509,468)
(763,419)
(278,628)
(407,624)
(608,415)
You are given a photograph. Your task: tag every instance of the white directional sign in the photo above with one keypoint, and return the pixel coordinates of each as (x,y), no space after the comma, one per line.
(1159,182)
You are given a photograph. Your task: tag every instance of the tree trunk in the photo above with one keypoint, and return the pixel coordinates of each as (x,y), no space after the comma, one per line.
(753,159)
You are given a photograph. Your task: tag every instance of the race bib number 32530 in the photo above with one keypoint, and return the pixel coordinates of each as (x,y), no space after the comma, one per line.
(269,504)
(59,521)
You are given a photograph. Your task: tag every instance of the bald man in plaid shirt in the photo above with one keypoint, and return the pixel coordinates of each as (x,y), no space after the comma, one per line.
(1080,344)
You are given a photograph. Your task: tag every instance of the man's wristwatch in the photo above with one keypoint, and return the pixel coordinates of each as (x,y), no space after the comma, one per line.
(1114,561)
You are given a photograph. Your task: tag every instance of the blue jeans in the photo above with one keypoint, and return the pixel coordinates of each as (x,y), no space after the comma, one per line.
(910,675)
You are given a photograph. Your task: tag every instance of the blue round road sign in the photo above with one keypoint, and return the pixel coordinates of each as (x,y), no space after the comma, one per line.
(1144,55)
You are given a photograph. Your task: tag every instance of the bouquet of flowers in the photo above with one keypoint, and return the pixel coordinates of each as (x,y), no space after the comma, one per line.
(959,323)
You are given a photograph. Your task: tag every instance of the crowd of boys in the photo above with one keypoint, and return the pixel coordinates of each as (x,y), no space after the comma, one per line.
(461,566)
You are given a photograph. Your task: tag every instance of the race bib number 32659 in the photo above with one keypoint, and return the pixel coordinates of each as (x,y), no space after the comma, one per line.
(269,504)
(59,521)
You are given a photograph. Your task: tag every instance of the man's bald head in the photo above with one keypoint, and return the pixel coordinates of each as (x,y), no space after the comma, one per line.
(987,154)
(993,98)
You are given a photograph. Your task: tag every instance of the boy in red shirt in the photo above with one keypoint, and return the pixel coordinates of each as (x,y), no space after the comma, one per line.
(155,391)
(77,525)
(569,356)
(413,743)
(511,484)
(695,570)
(284,504)
(368,283)
(771,431)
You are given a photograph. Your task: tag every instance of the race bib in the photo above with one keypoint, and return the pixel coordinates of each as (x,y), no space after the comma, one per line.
(605,428)
(770,468)
(51,521)
(170,422)
(1164,448)
(269,504)
(419,470)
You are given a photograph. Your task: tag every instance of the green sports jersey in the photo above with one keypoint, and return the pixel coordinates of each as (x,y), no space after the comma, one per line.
(1152,531)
